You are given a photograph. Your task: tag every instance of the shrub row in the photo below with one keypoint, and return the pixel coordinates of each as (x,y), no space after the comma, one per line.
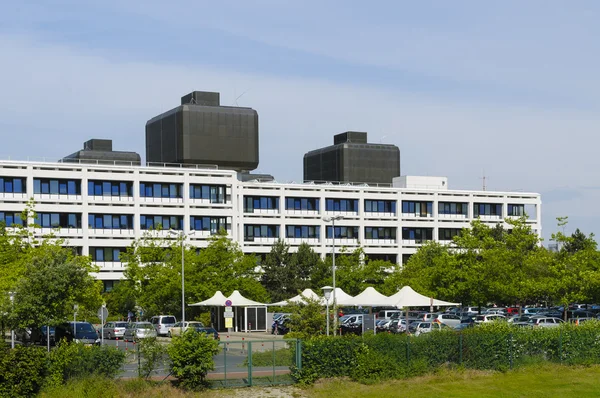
(26,370)
(496,346)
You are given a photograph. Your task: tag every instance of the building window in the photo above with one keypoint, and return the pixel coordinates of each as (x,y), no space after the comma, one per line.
(260,231)
(420,209)
(252,203)
(380,233)
(110,188)
(487,209)
(380,206)
(110,221)
(9,218)
(212,224)
(158,190)
(343,232)
(161,222)
(56,187)
(418,234)
(448,233)
(13,185)
(213,193)
(58,220)
(293,203)
(108,254)
(453,208)
(346,205)
(515,210)
(302,231)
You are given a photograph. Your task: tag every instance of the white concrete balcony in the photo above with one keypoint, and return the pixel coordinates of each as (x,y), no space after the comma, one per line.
(452,216)
(342,242)
(111,232)
(490,218)
(380,242)
(44,197)
(414,242)
(207,202)
(292,212)
(342,213)
(264,211)
(414,215)
(110,199)
(168,201)
(260,240)
(14,196)
(60,232)
(163,233)
(110,266)
(375,214)
(299,241)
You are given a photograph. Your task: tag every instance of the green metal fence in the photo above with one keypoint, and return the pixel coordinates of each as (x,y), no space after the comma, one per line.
(243,363)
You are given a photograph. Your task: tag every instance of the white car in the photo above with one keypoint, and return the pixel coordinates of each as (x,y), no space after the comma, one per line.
(489,318)
(114,330)
(176,329)
(448,320)
(545,322)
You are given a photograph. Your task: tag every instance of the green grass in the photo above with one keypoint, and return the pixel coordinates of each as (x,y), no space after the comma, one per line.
(543,380)
(283,357)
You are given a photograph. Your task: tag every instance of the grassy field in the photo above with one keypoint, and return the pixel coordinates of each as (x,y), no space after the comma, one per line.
(540,381)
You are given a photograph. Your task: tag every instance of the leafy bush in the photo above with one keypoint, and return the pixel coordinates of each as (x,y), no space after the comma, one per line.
(496,347)
(152,355)
(71,360)
(22,371)
(192,357)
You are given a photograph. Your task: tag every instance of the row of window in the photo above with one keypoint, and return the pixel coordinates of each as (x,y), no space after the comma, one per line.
(110,188)
(12,185)
(106,253)
(53,186)
(212,224)
(302,204)
(110,221)
(421,209)
(213,193)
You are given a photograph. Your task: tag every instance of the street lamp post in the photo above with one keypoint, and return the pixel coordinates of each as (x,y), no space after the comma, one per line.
(327,294)
(12,330)
(333,219)
(182,236)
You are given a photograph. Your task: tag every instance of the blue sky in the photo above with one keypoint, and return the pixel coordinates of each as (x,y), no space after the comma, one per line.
(461,87)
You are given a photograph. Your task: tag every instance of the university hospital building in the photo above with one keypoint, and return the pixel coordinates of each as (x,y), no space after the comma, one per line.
(197,180)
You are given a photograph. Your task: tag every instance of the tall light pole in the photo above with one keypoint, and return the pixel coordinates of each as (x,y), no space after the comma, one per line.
(182,236)
(333,219)
(327,294)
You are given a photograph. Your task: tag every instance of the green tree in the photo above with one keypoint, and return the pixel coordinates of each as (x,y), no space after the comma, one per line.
(277,276)
(192,357)
(53,281)
(306,320)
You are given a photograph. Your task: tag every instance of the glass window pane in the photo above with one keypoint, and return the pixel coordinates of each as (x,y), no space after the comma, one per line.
(18,185)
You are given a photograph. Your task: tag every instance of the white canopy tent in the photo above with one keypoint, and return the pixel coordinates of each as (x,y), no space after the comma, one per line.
(251,317)
(407,297)
(340,296)
(367,298)
(300,299)
(218,299)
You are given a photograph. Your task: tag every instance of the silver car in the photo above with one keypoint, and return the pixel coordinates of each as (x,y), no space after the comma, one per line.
(545,322)
(139,330)
(114,330)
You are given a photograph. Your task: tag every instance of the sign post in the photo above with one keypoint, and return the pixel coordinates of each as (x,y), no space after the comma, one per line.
(228,315)
(102,314)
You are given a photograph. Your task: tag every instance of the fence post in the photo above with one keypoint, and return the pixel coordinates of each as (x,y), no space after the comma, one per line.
(299,353)
(560,345)
(407,351)
(139,360)
(250,364)
(273,361)
(460,348)
(225,362)
(510,350)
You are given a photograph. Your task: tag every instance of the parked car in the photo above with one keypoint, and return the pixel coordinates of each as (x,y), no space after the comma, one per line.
(210,332)
(282,325)
(176,329)
(520,319)
(498,310)
(114,330)
(430,316)
(512,311)
(162,323)
(139,330)
(79,332)
(489,318)
(545,322)
(534,310)
(448,319)
(474,310)
(387,314)
(419,327)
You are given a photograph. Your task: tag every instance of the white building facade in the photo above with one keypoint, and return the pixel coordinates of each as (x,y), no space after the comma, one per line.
(102,209)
